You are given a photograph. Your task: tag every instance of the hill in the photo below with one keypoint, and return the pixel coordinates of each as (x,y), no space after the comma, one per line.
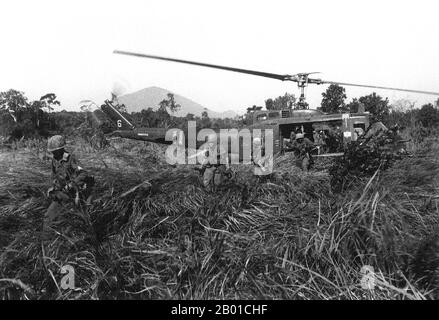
(151,97)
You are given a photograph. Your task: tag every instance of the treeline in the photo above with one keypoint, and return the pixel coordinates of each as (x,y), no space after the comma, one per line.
(401,112)
(21,118)
(163,117)
(160,118)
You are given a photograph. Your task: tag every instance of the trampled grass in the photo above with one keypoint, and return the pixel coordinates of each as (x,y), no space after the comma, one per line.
(286,238)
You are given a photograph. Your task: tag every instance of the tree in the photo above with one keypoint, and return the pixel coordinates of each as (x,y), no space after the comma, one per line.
(254,108)
(146,118)
(162,118)
(353,106)
(428,116)
(14,102)
(269,104)
(402,105)
(48,101)
(30,118)
(169,103)
(205,120)
(287,101)
(334,99)
(375,104)
(39,107)
(402,112)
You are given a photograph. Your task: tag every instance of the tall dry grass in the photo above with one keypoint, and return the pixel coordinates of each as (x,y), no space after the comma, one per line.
(287,238)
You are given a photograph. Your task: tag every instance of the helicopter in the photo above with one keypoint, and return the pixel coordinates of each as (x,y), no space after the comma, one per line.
(281,122)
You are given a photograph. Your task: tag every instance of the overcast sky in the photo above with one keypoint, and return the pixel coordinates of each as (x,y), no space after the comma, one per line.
(66,47)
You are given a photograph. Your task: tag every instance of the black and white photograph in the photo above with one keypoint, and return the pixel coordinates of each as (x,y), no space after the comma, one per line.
(219,156)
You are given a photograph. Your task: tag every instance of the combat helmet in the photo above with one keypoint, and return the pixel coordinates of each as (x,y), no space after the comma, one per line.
(257,141)
(55,143)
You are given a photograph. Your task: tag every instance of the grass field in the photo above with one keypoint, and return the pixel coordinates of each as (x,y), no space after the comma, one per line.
(288,238)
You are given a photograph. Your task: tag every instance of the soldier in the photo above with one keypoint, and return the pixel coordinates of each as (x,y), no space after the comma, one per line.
(215,163)
(70,180)
(302,150)
(315,136)
(376,129)
(395,132)
(358,133)
(263,163)
(334,140)
(318,140)
(292,136)
(395,140)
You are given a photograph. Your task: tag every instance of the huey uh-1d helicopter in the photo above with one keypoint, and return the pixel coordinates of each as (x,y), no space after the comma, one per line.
(281,122)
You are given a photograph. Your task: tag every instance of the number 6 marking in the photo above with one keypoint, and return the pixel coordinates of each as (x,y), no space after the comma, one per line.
(119,123)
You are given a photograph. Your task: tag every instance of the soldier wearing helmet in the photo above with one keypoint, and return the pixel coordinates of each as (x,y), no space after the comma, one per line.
(214,163)
(358,133)
(292,136)
(70,180)
(302,150)
(263,163)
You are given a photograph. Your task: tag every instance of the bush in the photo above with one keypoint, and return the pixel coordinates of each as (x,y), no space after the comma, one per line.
(362,158)
(428,116)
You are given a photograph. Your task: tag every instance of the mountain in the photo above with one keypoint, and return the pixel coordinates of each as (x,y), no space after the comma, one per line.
(152,96)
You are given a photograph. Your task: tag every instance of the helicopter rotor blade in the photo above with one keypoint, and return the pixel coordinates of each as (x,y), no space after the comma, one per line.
(252,72)
(318,81)
(284,77)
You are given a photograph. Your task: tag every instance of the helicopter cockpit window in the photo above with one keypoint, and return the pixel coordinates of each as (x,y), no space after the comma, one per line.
(272,115)
(262,116)
(360,125)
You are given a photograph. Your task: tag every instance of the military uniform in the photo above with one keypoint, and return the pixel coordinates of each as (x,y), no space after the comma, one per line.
(319,140)
(263,163)
(334,140)
(302,152)
(376,129)
(214,170)
(292,136)
(70,181)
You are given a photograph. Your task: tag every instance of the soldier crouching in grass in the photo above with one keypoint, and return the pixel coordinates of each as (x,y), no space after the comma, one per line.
(302,151)
(213,170)
(70,181)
